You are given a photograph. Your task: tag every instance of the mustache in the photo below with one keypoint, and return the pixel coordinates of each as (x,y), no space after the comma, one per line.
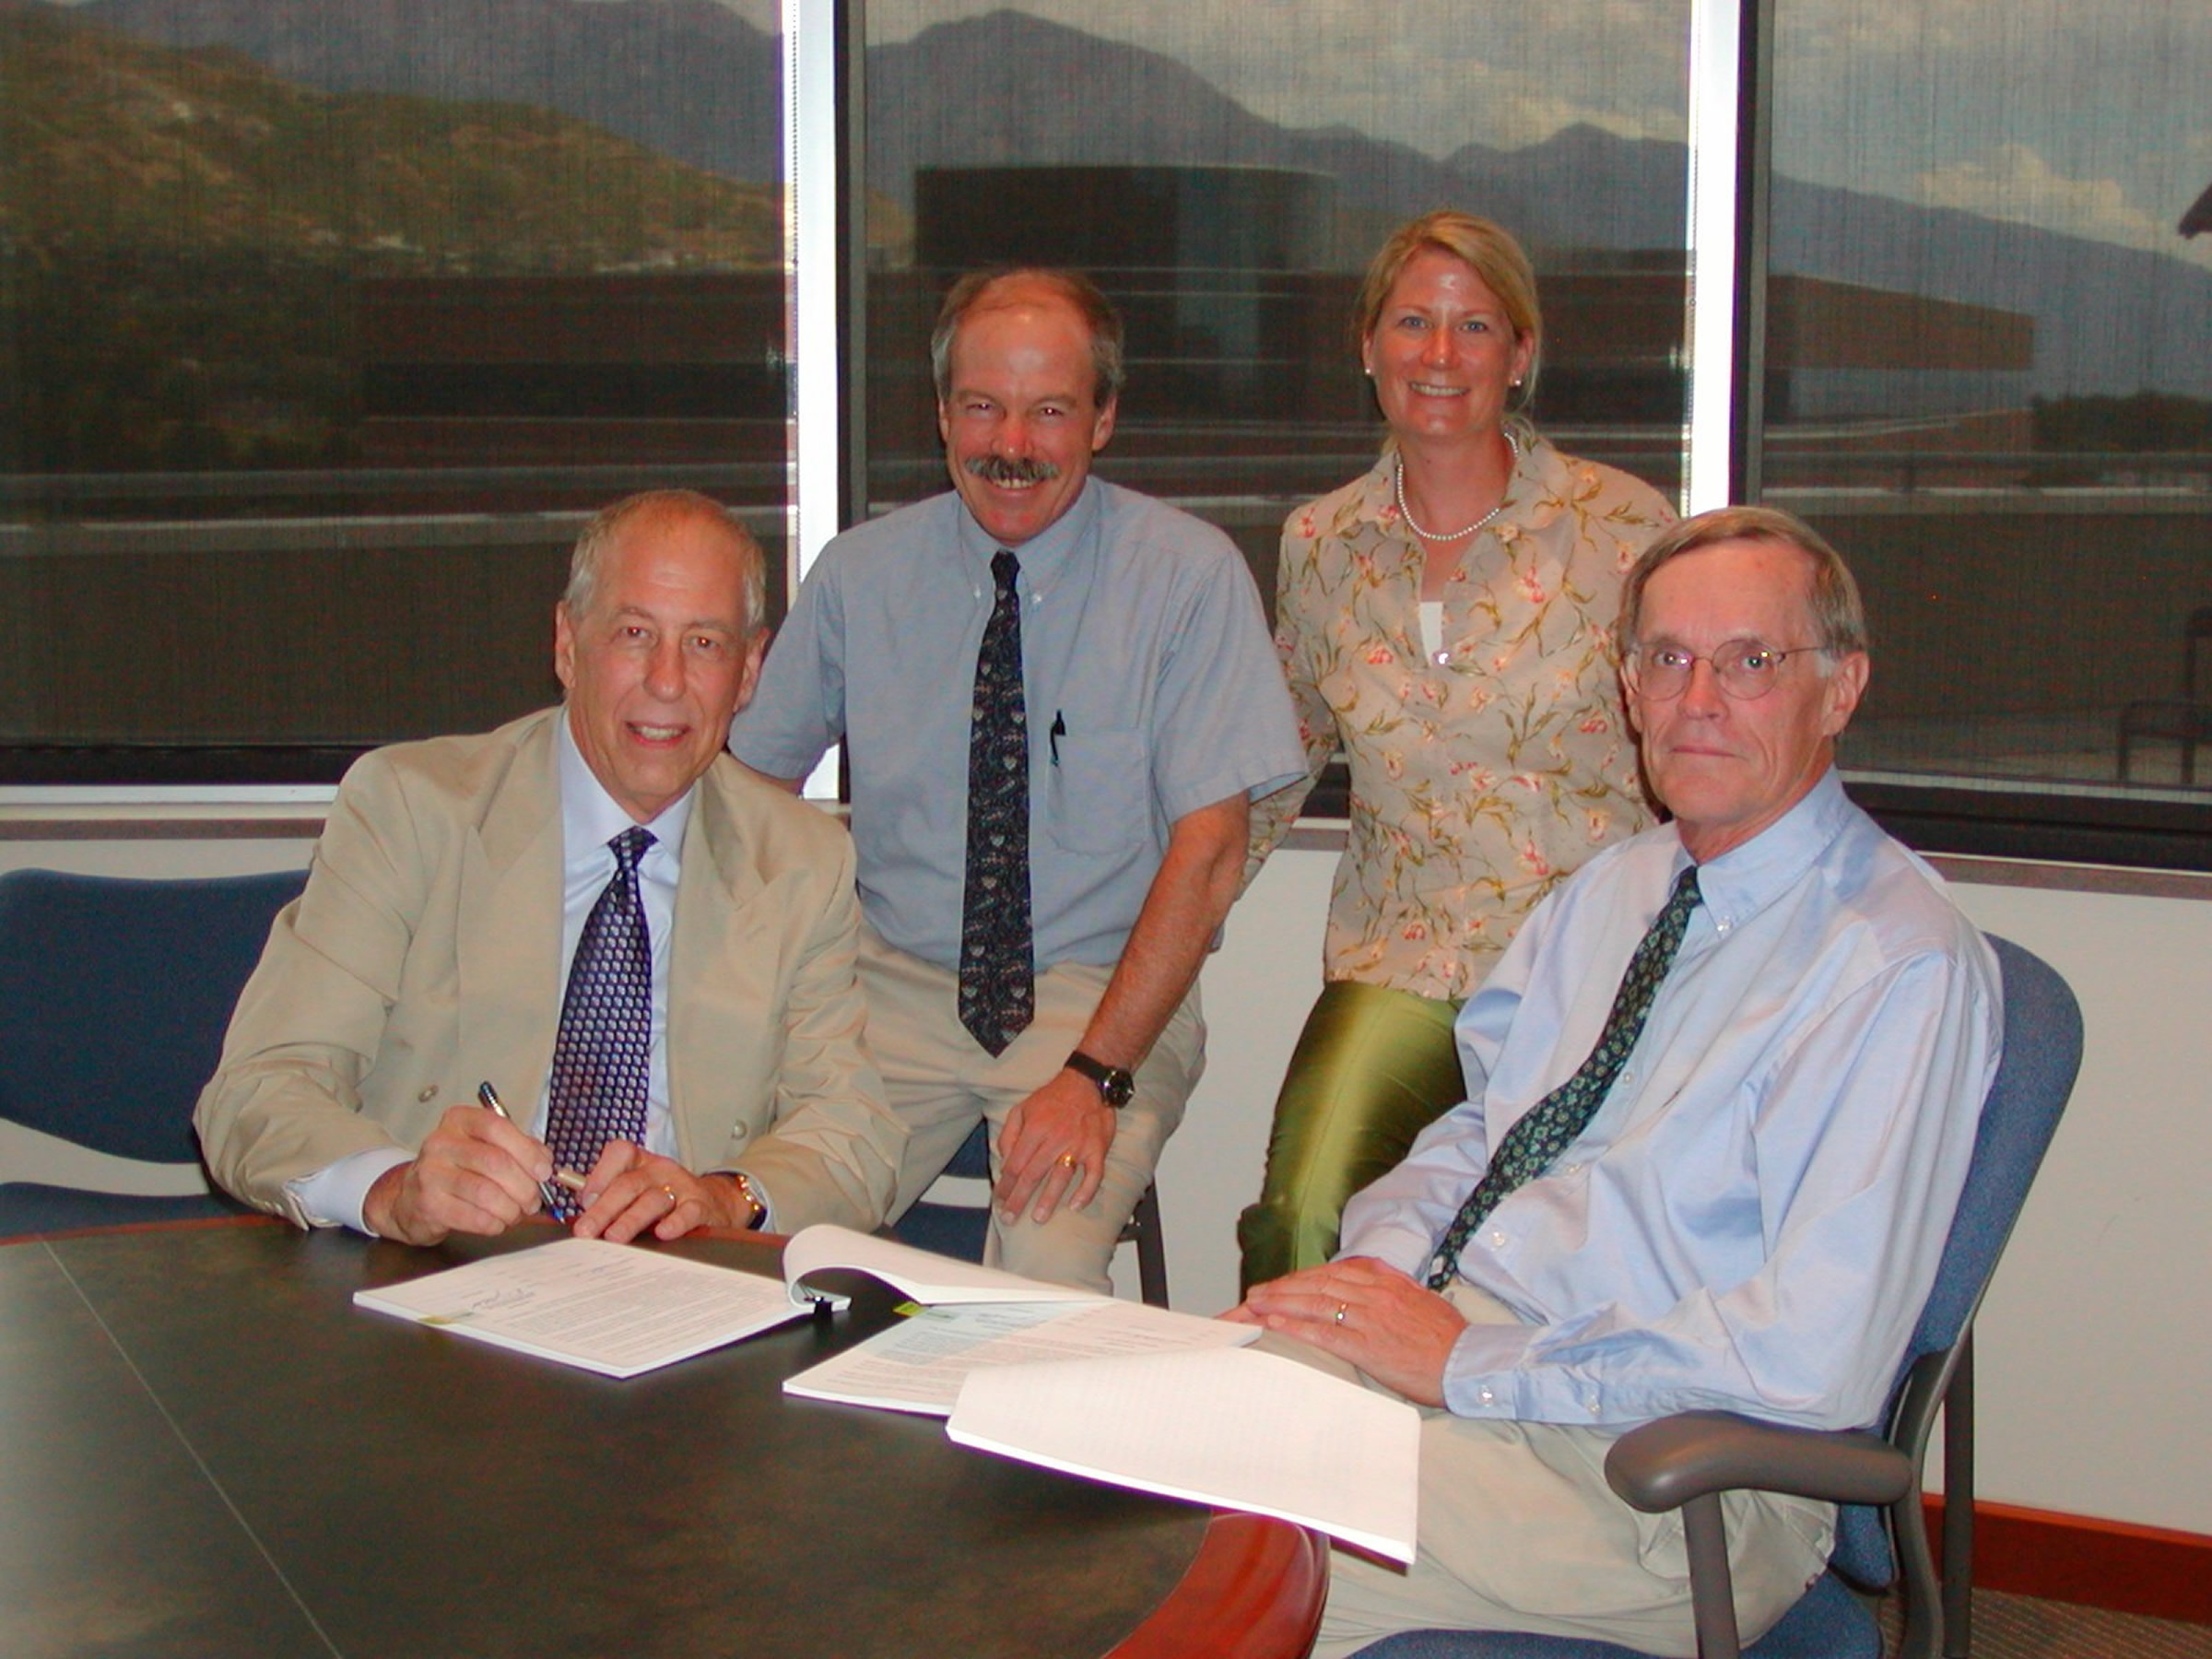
(1006,469)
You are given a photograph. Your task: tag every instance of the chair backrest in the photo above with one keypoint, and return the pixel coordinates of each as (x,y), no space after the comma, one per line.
(2041,1057)
(118,993)
(2035,1076)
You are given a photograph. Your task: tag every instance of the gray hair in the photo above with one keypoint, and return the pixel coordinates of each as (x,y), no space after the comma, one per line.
(1839,615)
(972,293)
(606,529)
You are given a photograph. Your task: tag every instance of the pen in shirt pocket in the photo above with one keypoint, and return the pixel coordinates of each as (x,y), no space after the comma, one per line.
(1059,731)
(488,1097)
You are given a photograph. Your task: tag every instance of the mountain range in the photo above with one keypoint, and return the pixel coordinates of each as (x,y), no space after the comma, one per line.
(693,81)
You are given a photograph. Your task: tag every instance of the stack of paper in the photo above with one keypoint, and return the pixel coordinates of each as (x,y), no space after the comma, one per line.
(615,1309)
(976,1318)
(1116,1391)
(1249,1431)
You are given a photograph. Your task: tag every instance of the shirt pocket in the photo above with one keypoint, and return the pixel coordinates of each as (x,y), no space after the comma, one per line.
(1097,793)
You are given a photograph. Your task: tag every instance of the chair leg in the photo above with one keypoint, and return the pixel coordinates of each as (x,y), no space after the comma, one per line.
(1712,1591)
(1958,1505)
(1151,1243)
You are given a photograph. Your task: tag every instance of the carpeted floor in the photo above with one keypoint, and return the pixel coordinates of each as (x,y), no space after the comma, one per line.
(2019,1627)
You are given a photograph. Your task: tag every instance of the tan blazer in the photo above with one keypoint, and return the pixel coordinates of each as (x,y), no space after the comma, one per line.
(424,957)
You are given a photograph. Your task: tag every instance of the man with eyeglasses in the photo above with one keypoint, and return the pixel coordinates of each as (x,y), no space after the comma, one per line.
(1723,1091)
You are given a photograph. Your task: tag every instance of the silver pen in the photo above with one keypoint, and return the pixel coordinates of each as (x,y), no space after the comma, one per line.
(488,1097)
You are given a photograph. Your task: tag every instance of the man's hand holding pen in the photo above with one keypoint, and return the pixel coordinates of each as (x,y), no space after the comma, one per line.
(479,1173)
(476,1173)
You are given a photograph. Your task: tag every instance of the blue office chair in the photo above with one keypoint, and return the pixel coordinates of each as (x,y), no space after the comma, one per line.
(118,993)
(960,1230)
(1686,1462)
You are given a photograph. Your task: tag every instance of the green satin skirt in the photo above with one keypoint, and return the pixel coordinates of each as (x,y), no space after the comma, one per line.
(1373,1069)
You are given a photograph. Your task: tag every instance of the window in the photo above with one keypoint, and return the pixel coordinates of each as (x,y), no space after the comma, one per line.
(315,342)
(1988,379)
(320,341)
(1226,172)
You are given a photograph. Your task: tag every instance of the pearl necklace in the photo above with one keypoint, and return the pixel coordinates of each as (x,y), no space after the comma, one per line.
(1405,513)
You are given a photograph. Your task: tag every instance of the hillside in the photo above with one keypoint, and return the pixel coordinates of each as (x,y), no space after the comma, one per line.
(203,149)
(185,231)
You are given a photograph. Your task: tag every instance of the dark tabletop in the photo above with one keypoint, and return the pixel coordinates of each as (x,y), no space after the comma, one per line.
(207,1448)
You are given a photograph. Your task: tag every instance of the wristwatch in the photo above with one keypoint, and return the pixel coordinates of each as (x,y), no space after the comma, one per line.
(753,1222)
(1116,1087)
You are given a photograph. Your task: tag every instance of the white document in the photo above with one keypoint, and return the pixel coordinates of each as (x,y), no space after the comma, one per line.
(615,1309)
(918,1363)
(1244,1431)
(926,1277)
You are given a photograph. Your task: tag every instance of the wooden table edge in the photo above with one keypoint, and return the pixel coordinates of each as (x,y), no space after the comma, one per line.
(172,1224)
(1254,1591)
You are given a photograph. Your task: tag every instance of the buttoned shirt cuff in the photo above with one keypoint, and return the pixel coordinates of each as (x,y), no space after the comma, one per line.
(333,1197)
(1481,1379)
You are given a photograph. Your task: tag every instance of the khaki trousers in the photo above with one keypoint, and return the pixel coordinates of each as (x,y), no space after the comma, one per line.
(1520,1532)
(940,1082)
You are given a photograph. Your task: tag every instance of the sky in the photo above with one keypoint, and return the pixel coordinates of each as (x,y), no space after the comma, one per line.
(2087,116)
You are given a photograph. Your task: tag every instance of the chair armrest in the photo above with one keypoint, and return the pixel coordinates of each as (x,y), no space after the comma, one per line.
(1661,1466)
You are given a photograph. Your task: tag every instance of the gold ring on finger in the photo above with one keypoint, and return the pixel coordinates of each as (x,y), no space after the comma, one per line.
(1340,1308)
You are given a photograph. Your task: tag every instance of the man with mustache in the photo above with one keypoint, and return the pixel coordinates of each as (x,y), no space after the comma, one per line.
(1058,698)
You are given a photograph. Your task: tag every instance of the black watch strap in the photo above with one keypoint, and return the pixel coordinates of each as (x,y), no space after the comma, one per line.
(1116,1087)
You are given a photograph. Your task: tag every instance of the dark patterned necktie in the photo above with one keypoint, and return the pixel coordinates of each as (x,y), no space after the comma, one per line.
(602,1054)
(1550,1126)
(998,980)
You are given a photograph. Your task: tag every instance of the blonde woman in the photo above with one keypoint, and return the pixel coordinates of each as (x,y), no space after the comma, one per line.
(1445,620)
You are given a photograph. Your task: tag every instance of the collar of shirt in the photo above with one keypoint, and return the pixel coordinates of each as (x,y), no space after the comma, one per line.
(1044,558)
(1744,880)
(590,817)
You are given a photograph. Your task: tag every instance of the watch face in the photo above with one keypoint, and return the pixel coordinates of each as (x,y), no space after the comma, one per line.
(1116,1087)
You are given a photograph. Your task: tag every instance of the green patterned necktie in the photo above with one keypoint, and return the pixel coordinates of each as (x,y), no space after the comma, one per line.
(1550,1126)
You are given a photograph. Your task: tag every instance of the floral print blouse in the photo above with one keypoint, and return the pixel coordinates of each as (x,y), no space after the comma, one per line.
(1484,777)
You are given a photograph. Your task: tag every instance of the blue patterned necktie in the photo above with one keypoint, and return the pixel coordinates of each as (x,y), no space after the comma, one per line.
(1548,1129)
(602,1054)
(998,979)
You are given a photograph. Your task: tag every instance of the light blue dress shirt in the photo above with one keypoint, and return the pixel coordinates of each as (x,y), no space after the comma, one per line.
(1152,690)
(1752,1219)
(590,817)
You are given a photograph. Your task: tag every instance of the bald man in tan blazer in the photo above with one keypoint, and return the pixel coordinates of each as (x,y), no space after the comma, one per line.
(426,954)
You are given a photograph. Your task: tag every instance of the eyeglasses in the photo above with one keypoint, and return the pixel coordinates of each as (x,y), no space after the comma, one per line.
(1746,668)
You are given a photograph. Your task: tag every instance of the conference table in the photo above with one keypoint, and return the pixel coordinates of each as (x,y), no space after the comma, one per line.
(207,1448)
